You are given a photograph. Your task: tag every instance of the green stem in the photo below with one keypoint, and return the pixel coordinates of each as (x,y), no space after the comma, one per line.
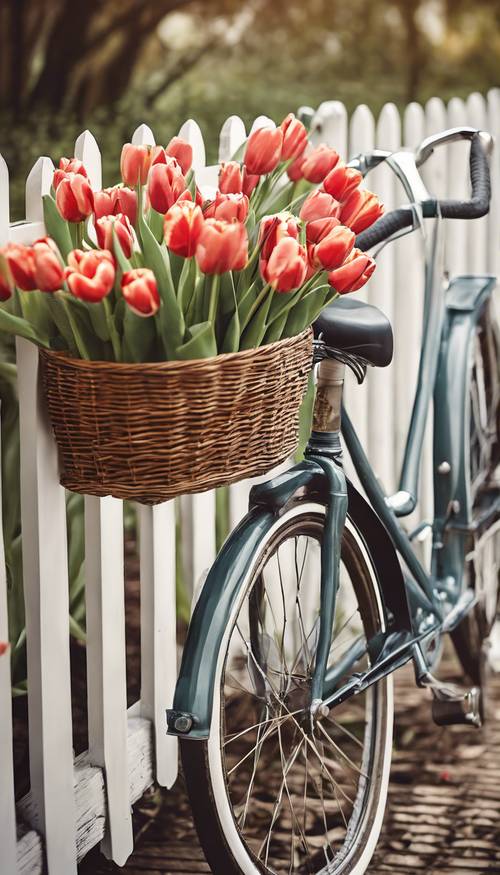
(256,304)
(79,341)
(115,339)
(214,297)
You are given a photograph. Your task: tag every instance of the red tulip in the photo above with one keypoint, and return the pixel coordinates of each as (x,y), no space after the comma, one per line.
(182,151)
(90,275)
(341,181)
(287,266)
(120,224)
(49,270)
(222,246)
(250,180)
(134,164)
(319,228)
(361,209)
(74,197)
(294,138)
(140,291)
(333,249)
(294,171)
(230,178)
(318,163)
(319,205)
(119,199)
(21,263)
(353,274)
(228,207)
(273,229)
(68,165)
(263,150)
(7,284)
(165,185)
(183,226)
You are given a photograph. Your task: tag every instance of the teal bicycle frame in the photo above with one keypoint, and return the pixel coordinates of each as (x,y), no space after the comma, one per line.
(419,606)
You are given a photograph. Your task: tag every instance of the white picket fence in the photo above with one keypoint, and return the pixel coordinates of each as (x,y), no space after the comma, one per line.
(73,804)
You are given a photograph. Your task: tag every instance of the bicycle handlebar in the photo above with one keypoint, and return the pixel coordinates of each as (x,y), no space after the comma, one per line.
(477,205)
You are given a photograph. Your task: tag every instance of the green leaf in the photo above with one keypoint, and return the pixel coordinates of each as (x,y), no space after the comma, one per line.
(201,343)
(187,283)
(171,318)
(253,334)
(122,260)
(139,335)
(21,328)
(56,226)
(155,222)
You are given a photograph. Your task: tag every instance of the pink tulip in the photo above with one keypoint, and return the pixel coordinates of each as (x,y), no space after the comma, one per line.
(90,275)
(228,207)
(183,226)
(74,197)
(140,290)
(121,227)
(222,246)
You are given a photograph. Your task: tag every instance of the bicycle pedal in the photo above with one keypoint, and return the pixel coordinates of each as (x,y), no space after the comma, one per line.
(458,708)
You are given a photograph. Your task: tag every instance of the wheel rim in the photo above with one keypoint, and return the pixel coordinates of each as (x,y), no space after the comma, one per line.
(297,787)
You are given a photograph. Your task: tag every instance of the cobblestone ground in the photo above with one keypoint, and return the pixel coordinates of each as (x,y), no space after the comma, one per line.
(443,814)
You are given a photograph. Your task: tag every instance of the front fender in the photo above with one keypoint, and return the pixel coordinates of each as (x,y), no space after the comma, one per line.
(193,698)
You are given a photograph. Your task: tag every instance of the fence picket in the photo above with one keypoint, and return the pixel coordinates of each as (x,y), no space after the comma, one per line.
(158,630)
(458,176)
(8,844)
(143,136)
(4,202)
(408,304)
(493,126)
(361,139)
(231,138)
(477,237)
(45,575)
(191,132)
(106,671)
(381,292)
(87,151)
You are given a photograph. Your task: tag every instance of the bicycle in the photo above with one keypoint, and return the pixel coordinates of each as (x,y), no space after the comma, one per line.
(284,702)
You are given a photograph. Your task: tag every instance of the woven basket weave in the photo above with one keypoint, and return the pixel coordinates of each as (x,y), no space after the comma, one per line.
(149,432)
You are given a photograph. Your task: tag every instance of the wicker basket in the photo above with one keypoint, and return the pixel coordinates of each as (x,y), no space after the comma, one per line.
(149,432)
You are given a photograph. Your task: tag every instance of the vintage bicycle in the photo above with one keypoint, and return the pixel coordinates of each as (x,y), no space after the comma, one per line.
(284,703)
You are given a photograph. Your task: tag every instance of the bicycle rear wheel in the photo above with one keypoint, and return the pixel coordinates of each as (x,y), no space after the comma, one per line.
(482,549)
(273,791)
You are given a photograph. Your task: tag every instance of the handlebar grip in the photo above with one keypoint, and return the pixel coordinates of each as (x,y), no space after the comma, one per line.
(479,203)
(384,228)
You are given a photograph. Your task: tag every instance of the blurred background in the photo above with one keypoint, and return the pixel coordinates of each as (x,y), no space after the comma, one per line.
(110,65)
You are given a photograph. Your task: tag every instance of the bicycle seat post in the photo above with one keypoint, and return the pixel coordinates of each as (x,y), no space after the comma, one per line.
(325,434)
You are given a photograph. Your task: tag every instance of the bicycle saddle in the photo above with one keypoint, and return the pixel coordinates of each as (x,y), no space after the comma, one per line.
(358,329)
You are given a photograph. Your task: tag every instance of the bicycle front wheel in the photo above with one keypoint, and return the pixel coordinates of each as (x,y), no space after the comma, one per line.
(272,790)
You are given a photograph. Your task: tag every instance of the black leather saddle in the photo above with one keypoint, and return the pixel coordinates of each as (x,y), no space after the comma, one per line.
(358,329)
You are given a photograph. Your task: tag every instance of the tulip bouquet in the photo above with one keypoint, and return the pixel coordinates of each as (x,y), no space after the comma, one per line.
(154,269)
